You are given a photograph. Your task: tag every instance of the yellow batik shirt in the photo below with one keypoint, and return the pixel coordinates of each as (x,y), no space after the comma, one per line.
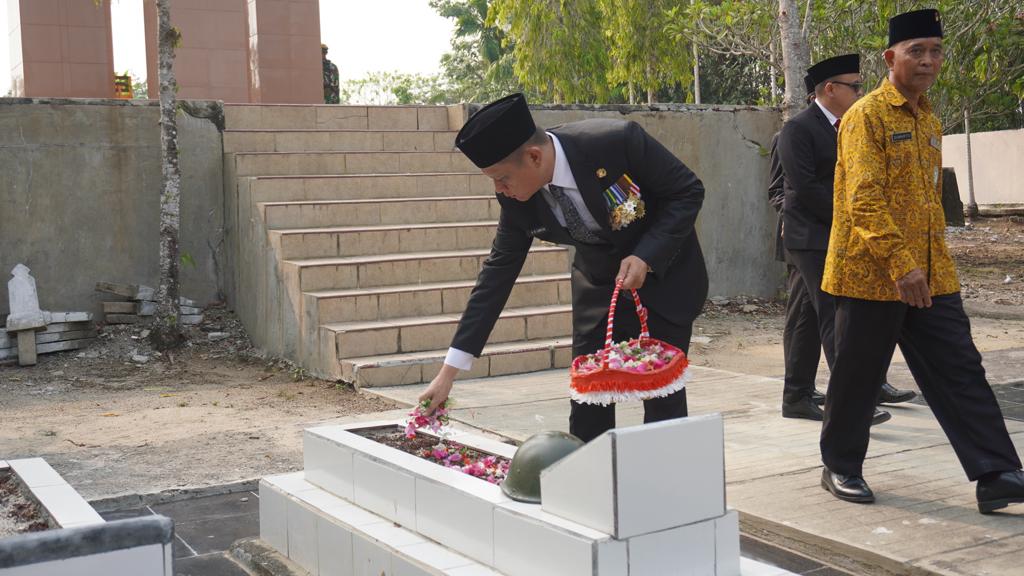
(887,216)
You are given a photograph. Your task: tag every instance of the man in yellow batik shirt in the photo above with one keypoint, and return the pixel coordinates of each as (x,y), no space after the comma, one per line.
(894,281)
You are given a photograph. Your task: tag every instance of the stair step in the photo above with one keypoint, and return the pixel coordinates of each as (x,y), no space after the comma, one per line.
(367,186)
(333,116)
(421,367)
(382,239)
(412,268)
(318,163)
(379,211)
(431,299)
(420,333)
(338,141)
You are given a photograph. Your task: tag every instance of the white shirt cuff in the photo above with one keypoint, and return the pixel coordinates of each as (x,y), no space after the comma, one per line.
(458,359)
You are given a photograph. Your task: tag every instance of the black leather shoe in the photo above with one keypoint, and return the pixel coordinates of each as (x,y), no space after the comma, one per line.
(817,397)
(1001,491)
(880,416)
(803,408)
(848,488)
(892,395)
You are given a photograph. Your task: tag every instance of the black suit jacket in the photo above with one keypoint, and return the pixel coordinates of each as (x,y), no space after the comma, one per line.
(807,149)
(664,237)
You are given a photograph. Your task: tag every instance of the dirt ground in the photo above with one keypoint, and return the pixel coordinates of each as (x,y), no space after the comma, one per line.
(216,412)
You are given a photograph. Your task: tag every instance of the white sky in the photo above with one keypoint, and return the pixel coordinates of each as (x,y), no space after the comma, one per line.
(363,36)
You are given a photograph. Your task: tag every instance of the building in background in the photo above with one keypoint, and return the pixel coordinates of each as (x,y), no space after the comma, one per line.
(232,50)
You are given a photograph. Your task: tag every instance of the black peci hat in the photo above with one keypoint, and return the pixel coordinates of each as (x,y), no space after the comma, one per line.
(916,24)
(809,84)
(832,67)
(496,131)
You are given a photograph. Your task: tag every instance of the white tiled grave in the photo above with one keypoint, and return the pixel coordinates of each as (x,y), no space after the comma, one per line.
(363,508)
(63,503)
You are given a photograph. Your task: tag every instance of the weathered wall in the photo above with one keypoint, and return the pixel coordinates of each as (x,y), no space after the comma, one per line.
(80,197)
(998,167)
(727,147)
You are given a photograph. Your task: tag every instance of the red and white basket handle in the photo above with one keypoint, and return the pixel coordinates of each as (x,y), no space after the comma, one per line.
(641,312)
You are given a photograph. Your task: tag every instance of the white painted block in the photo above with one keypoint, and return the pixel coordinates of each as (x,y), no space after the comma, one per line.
(407,567)
(727,544)
(139,561)
(524,546)
(472,570)
(374,545)
(612,558)
(334,548)
(169,559)
(327,465)
(456,519)
(428,556)
(384,490)
(341,510)
(587,498)
(36,472)
(274,516)
(684,551)
(66,506)
(302,536)
(292,483)
(750,567)
(669,474)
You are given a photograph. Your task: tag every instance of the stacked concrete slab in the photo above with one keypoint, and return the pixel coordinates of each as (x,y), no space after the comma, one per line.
(358,233)
(642,501)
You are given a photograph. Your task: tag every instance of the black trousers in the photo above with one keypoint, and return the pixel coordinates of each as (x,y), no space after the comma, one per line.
(801,343)
(936,343)
(588,421)
(810,265)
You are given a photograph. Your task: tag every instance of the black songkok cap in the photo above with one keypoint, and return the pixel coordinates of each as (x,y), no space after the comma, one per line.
(845,64)
(809,84)
(496,131)
(916,24)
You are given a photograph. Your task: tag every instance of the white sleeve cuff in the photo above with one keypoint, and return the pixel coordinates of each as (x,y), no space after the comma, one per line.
(458,359)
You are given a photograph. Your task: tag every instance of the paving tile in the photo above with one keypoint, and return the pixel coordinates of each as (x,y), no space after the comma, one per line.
(456,519)
(273,518)
(208,565)
(123,514)
(686,550)
(217,534)
(334,548)
(36,472)
(302,536)
(384,490)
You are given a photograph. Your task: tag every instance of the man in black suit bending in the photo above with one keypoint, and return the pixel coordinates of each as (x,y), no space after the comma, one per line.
(622,200)
(807,151)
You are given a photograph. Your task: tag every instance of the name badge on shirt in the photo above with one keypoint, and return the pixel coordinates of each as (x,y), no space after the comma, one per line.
(902,136)
(936,143)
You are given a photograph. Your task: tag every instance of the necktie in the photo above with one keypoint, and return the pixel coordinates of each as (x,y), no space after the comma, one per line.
(838,120)
(577,229)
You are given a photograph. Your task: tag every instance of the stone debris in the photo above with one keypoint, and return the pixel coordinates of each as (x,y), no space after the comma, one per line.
(140,302)
(217,336)
(140,358)
(749,308)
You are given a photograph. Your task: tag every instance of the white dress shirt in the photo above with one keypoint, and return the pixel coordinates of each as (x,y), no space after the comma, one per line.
(828,115)
(563,178)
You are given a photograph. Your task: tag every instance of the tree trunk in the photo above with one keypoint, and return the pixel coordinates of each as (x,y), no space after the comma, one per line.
(795,56)
(166,332)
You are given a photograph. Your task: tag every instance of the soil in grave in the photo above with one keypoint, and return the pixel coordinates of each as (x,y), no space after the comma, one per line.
(421,445)
(19,512)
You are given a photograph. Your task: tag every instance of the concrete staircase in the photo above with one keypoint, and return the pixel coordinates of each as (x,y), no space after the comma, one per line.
(358,233)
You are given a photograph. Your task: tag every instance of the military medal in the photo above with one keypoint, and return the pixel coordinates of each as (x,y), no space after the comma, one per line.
(625,205)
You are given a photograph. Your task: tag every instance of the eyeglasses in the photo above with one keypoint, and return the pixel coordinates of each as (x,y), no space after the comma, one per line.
(857,87)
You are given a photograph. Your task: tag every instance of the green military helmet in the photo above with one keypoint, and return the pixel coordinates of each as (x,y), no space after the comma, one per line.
(535,454)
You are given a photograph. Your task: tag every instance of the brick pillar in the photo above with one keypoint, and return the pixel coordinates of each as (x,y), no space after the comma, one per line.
(212,61)
(284,52)
(61,48)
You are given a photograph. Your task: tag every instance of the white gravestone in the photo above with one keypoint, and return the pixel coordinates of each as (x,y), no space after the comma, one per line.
(25,317)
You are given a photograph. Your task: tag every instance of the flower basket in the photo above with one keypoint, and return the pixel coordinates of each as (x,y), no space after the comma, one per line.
(637,369)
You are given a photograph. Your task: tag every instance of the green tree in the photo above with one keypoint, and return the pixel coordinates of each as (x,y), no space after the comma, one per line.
(643,55)
(559,49)
(479,67)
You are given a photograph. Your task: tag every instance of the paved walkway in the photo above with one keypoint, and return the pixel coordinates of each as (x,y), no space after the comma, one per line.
(924,522)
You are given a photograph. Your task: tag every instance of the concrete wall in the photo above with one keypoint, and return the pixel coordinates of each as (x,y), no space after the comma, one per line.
(79,198)
(727,147)
(998,159)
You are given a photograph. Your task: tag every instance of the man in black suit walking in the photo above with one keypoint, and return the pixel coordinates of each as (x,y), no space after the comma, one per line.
(807,151)
(571,185)
(801,343)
